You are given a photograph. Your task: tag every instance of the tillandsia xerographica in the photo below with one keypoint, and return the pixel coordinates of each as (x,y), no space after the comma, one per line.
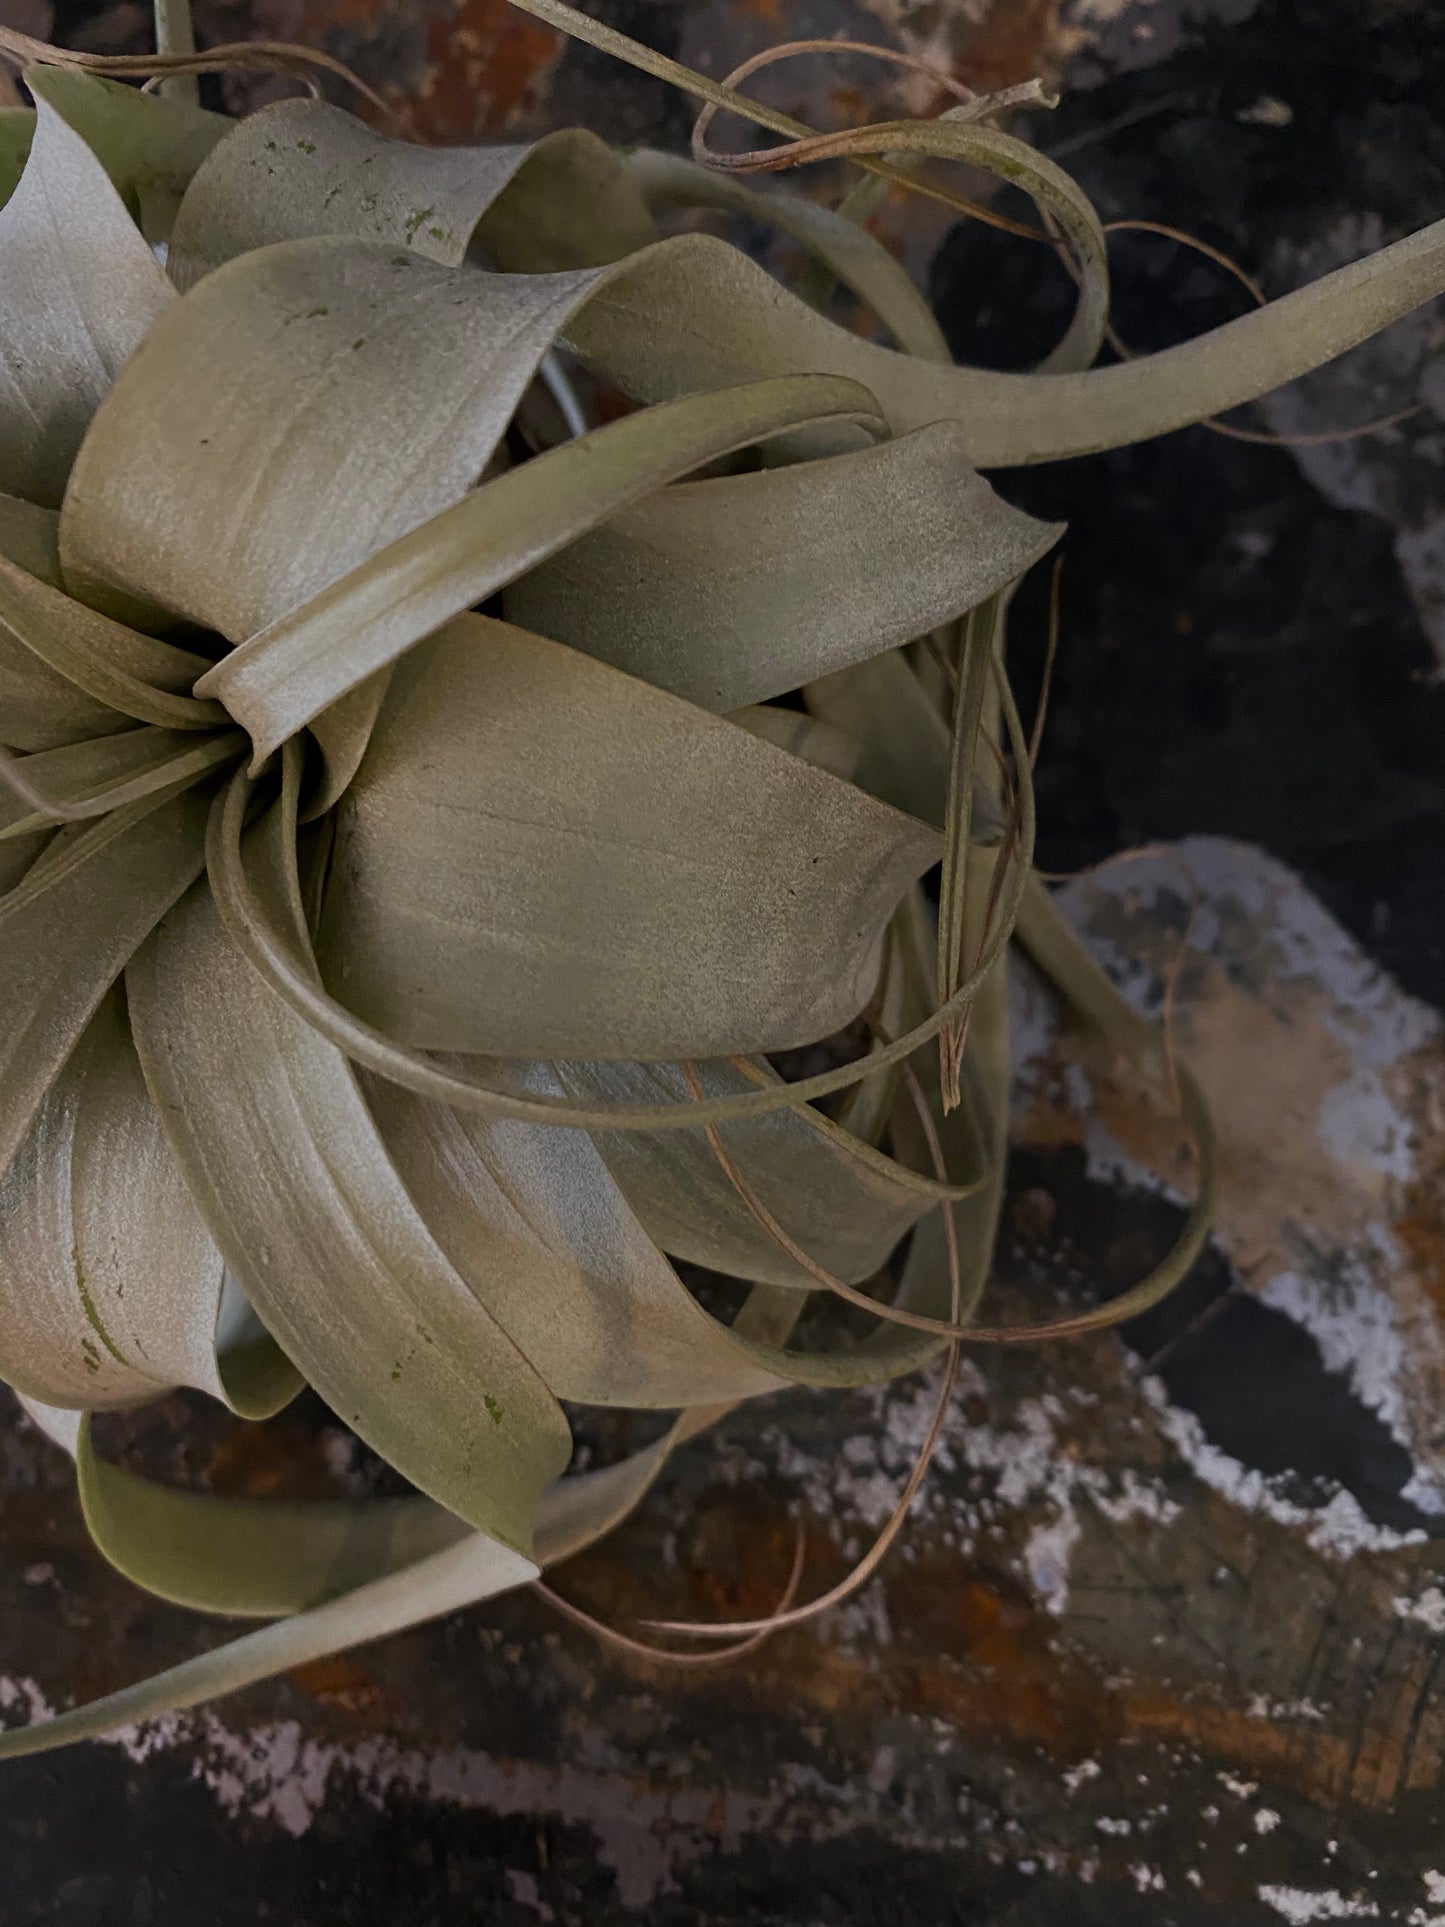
(409,866)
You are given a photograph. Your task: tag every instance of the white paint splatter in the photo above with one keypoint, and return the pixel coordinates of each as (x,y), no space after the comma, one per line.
(1300,1908)
(1353,1320)
(1427,1610)
(1024,1469)
(644,1832)
(1046,1555)
(1338,1529)
(23,1695)
(1353,1301)
(1261,1707)
(526,1893)
(1231,1782)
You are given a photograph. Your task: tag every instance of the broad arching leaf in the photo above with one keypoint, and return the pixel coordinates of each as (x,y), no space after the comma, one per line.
(17,131)
(110,1286)
(242,461)
(30,537)
(903,741)
(571,1514)
(816,741)
(69,928)
(302,168)
(108,771)
(364,621)
(474,1568)
(45,634)
(81,288)
(533,1221)
(262,1112)
(694,313)
(250,1558)
(540,856)
(150,146)
(532,1218)
(732,590)
(846,248)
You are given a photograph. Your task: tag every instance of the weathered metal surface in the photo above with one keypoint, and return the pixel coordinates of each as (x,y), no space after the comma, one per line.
(1163,1640)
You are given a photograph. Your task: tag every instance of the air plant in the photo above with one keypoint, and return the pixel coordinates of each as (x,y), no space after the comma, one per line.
(430,807)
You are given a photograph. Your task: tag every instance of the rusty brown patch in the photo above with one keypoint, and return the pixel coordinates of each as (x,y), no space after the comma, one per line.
(991,1662)
(851,106)
(488,65)
(1420,1230)
(279,1460)
(739,1565)
(971,1647)
(340,1683)
(1018,40)
(1014,40)
(733,1562)
(1418,1085)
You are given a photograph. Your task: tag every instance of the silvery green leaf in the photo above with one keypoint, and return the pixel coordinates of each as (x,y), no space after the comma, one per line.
(301,167)
(732,590)
(70,925)
(82,287)
(30,537)
(70,669)
(540,856)
(846,248)
(844,1202)
(694,313)
(149,145)
(110,1286)
(243,460)
(348,1279)
(330,646)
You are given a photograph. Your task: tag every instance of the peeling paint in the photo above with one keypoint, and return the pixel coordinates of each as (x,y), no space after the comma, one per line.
(1427,1610)
(1319,1160)
(1300,1908)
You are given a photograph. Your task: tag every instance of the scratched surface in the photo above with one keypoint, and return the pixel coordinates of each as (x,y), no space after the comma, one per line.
(1163,1641)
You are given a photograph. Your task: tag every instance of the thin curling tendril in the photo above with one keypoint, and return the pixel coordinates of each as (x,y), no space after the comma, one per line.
(853,145)
(594,33)
(863,1571)
(761,159)
(1260,437)
(1175,967)
(232,56)
(667,1656)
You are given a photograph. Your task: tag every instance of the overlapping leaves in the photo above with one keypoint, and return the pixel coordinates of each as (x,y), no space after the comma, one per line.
(390,985)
